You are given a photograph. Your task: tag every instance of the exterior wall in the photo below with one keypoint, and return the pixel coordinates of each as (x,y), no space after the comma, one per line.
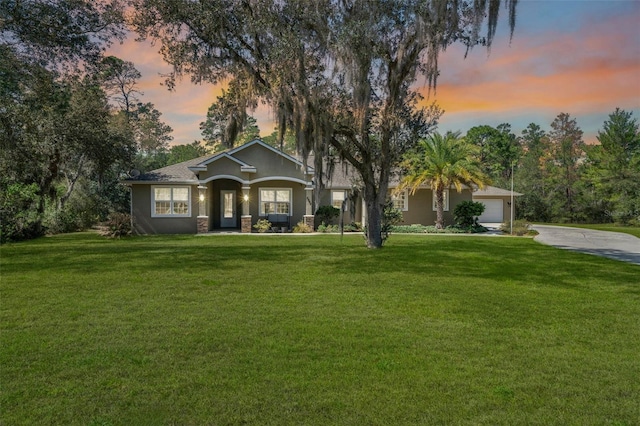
(420,210)
(269,166)
(421,207)
(456,198)
(222,166)
(145,224)
(351,215)
(268,163)
(298,202)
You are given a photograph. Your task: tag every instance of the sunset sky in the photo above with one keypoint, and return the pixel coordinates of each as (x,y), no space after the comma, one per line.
(581,57)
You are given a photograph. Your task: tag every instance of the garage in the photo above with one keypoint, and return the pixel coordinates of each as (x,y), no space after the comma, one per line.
(493,211)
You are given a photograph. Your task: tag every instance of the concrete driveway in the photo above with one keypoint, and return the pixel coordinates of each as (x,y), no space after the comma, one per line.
(614,245)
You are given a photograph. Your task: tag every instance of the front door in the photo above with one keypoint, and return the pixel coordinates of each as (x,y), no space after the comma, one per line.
(228,209)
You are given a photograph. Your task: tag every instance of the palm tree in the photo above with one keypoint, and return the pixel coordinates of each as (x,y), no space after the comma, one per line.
(440,162)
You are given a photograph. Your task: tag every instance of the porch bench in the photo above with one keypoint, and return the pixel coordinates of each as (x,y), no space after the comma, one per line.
(279,220)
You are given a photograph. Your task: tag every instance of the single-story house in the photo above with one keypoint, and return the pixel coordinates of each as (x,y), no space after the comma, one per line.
(234,189)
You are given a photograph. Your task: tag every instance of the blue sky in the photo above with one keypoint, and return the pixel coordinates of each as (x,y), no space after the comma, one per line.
(580,57)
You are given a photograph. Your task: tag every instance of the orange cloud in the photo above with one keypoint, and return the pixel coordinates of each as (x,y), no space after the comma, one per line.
(581,74)
(586,72)
(593,70)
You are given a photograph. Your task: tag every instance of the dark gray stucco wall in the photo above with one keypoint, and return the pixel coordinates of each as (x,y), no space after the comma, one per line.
(143,223)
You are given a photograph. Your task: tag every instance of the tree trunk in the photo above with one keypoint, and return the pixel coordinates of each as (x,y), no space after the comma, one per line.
(374,194)
(71,184)
(439,208)
(374,216)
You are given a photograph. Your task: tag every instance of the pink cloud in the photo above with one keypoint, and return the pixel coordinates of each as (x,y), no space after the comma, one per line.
(581,74)
(592,70)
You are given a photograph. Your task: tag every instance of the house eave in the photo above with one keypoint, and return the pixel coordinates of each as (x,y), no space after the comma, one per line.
(158,182)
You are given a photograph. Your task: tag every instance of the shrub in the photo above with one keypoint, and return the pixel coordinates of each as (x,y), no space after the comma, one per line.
(473,229)
(353,227)
(520,227)
(19,218)
(391,216)
(466,213)
(412,229)
(302,228)
(328,229)
(327,213)
(61,221)
(422,229)
(262,226)
(117,225)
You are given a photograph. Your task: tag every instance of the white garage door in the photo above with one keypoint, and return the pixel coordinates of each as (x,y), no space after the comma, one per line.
(492,211)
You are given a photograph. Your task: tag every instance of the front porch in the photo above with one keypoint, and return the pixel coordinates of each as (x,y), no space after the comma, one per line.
(229,206)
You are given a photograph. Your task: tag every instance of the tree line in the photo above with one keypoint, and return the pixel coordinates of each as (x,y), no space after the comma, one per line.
(72,120)
(562,179)
(338,75)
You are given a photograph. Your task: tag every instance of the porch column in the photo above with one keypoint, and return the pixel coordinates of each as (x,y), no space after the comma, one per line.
(365,220)
(308,216)
(203,217)
(246,211)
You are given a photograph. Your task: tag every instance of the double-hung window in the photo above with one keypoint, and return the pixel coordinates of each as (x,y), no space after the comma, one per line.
(337,197)
(170,201)
(401,200)
(275,201)
(445,200)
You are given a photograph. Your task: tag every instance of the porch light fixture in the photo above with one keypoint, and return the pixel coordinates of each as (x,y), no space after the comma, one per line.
(201,197)
(245,197)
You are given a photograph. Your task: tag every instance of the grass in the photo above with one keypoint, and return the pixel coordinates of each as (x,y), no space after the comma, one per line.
(281,330)
(631,230)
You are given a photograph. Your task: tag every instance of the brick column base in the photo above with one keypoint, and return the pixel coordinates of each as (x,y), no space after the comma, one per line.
(246,224)
(308,220)
(203,224)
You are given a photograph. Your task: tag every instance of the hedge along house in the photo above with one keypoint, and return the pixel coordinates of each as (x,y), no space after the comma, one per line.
(232,190)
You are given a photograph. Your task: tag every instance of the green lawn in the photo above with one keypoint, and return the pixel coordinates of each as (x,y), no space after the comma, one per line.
(290,330)
(632,230)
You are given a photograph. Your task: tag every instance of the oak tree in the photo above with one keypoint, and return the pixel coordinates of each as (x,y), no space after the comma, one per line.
(342,74)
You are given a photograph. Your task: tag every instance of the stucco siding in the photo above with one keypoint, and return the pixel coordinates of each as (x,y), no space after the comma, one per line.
(144,223)
(298,195)
(268,163)
(221,166)
(350,215)
(421,207)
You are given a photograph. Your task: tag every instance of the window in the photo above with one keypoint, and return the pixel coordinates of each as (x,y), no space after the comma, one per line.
(275,201)
(400,200)
(170,201)
(445,200)
(337,197)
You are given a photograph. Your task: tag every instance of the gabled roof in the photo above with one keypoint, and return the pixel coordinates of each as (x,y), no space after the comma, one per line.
(492,191)
(203,164)
(269,147)
(175,173)
(187,171)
